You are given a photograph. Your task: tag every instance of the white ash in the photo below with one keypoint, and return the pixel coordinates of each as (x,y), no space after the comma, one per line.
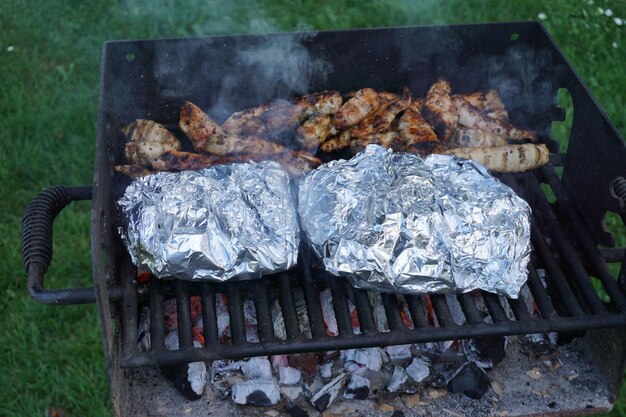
(371,358)
(418,370)
(291,393)
(256,368)
(262,392)
(398,378)
(399,354)
(143,331)
(289,375)
(326,370)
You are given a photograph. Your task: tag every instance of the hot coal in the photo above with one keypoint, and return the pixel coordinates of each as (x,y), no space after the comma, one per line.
(471,380)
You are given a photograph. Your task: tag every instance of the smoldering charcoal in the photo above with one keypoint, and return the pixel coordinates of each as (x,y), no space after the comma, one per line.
(395,222)
(224,222)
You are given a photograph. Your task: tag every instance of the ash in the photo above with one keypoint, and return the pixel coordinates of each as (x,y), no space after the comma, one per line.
(527,374)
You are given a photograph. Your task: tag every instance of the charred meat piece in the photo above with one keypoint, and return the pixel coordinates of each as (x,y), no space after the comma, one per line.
(337,143)
(386,96)
(391,140)
(474,138)
(412,126)
(313,132)
(208,137)
(147,141)
(439,111)
(499,115)
(364,102)
(325,102)
(471,117)
(509,158)
(284,116)
(381,120)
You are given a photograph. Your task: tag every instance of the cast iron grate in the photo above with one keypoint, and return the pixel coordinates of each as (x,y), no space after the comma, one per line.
(564,259)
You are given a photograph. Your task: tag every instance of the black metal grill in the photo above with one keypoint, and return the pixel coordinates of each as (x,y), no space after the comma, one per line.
(565,299)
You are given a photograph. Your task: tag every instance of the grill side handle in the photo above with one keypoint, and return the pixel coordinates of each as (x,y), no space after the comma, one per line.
(37,245)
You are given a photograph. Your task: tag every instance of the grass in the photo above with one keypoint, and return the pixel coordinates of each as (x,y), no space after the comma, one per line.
(49,61)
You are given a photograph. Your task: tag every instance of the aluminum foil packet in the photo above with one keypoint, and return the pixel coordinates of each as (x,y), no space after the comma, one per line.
(220,223)
(395,222)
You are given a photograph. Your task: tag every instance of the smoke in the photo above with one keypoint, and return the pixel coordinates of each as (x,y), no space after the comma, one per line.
(278,67)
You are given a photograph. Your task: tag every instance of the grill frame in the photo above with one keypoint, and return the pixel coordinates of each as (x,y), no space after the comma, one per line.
(590,167)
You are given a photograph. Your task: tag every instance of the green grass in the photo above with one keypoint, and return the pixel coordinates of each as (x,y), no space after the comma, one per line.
(52,356)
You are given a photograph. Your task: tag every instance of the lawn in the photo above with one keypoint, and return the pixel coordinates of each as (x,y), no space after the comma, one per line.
(49,61)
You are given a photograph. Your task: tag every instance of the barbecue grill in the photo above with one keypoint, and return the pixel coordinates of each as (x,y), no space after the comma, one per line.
(152,78)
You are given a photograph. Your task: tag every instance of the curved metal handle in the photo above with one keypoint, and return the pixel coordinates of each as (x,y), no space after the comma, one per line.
(37,244)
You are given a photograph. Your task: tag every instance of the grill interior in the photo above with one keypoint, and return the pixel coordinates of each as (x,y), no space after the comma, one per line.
(562,263)
(151,79)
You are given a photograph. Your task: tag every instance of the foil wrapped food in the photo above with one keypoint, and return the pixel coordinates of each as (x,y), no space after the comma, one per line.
(395,222)
(224,222)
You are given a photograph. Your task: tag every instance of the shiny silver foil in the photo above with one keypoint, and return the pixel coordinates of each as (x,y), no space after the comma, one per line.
(395,222)
(228,221)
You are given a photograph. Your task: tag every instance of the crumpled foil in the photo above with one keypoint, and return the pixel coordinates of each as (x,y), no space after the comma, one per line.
(224,222)
(395,222)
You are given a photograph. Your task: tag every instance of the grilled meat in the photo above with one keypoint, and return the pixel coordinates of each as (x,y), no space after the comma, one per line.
(313,132)
(208,137)
(509,158)
(325,102)
(364,102)
(391,140)
(235,123)
(471,117)
(484,101)
(337,143)
(183,161)
(148,140)
(381,120)
(474,138)
(439,111)
(412,126)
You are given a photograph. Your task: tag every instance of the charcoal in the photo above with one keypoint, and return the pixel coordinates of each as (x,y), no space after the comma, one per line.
(358,388)
(296,411)
(539,345)
(418,370)
(400,354)
(289,375)
(398,378)
(486,351)
(326,370)
(324,397)
(291,393)
(256,392)
(257,368)
(470,380)
(397,413)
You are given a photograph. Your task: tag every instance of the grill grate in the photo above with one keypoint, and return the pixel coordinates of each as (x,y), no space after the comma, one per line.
(564,258)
